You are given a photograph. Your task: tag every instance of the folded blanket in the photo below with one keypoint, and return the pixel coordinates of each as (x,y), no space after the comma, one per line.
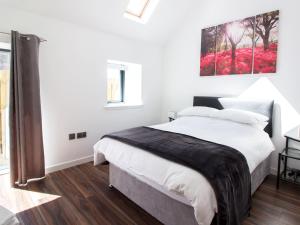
(224,167)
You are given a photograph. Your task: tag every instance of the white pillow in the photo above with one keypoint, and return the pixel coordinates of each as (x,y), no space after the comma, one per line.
(242,116)
(197,111)
(261,125)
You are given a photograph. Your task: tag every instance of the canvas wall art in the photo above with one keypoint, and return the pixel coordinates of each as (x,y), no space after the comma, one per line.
(266,42)
(240,47)
(208,51)
(235,47)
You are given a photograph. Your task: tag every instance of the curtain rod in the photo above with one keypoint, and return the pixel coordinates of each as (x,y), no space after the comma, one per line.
(42,39)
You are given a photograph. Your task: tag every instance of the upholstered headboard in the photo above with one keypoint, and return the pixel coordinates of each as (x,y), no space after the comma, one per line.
(264,107)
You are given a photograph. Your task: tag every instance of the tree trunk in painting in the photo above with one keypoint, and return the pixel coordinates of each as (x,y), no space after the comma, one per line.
(233,54)
(233,57)
(266,40)
(226,44)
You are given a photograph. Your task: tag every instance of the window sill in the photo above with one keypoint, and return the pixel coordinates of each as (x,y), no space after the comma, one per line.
(123,106)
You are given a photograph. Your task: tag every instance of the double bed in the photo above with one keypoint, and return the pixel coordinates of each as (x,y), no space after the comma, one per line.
(174,193)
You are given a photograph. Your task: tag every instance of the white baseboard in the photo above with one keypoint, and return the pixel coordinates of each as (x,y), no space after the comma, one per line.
(90,158)
(64,165)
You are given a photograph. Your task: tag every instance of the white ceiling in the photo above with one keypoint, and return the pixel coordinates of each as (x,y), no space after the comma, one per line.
(107,16)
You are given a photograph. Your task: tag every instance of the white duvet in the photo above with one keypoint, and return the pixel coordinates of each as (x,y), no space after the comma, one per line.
(180,182)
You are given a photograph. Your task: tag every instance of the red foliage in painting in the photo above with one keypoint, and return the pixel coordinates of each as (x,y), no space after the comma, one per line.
(242,64)
(265,60)
(207,65)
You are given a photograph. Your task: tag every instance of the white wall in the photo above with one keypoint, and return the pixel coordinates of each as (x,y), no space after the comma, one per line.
(73,83)
(73,73)
(182,56)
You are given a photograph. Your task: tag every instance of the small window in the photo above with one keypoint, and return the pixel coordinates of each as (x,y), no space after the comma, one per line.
(124,83)
(115,84)
(137,7)
(140,10)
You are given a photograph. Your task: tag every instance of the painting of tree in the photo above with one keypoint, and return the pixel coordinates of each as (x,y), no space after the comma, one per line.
(208,52)
(266,42)
(234,47)
(241,47)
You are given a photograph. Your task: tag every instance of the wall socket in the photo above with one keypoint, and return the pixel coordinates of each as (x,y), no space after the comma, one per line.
(81,135)
(72,136)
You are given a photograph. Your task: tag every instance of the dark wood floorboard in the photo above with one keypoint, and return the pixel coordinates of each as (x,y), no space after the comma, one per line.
(80,196)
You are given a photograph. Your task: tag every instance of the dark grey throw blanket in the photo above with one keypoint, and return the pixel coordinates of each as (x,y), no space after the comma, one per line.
(224,167)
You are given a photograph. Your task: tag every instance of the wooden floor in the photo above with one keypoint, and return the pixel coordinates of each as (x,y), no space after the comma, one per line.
(80,195)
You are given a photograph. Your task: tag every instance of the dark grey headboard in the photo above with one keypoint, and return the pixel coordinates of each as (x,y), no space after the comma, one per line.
(264,107)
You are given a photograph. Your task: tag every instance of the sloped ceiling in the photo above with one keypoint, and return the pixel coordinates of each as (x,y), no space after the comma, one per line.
(107,16)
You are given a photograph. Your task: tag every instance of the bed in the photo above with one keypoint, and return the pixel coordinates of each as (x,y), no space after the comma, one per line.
(172,193)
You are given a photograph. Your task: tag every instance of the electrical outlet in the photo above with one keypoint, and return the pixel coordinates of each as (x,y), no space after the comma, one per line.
(72,136)
(81,135)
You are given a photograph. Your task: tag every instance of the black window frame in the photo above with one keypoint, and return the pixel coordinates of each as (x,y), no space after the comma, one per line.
(122,81)
(4,50)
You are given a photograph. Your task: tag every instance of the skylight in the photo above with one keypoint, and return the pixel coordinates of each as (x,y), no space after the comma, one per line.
(140,10)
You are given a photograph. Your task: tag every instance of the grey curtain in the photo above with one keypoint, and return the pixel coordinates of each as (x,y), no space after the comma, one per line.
(25,121)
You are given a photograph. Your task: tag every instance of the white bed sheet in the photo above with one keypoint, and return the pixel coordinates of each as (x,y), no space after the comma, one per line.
(180,182)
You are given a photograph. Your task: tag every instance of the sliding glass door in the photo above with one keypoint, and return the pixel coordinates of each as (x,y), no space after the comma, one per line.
(4,90)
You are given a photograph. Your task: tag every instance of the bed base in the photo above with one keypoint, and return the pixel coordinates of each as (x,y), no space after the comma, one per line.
(162,207)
